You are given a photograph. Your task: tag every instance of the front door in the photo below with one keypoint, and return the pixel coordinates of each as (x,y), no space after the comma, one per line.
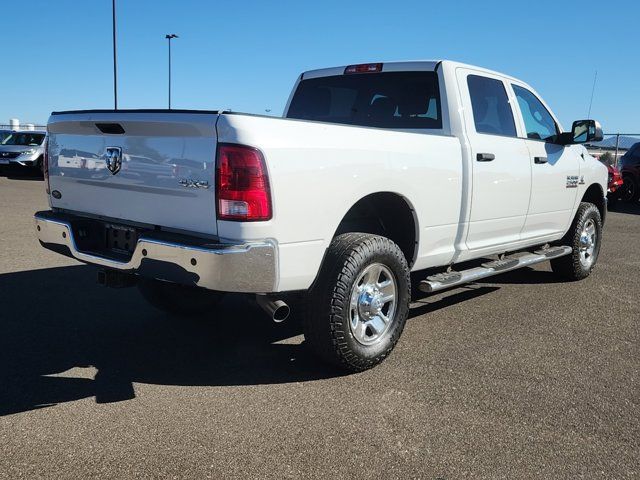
(501,171)
(555,169)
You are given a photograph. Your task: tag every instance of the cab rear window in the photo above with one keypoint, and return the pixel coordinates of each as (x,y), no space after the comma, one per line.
(399,100)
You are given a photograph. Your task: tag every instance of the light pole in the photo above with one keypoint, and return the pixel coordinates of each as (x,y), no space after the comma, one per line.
(169,37)
(115,64)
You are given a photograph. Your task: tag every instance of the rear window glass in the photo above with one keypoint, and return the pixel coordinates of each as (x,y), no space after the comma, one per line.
(634,151)
(401,100)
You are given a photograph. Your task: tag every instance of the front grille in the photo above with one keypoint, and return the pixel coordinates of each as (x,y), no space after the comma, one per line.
(9,154)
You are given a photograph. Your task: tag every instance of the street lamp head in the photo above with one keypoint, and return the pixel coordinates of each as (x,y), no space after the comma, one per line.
(170,36)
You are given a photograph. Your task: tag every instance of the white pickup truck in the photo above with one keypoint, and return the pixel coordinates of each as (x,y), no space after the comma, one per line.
(374,172)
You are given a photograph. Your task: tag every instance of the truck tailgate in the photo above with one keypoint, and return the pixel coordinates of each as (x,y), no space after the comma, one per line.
(142,166)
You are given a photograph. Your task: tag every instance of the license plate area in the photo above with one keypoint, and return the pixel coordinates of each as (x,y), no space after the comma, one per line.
(120,239)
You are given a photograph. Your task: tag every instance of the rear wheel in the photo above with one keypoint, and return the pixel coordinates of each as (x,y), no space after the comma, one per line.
(629,190)
(359,305)
(179,300)
(584,237)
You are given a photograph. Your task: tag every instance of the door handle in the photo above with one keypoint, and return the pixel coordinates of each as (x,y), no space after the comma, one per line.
(485,157)
(539,160)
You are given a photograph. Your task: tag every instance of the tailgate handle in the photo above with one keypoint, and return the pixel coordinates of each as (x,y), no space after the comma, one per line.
(111,128)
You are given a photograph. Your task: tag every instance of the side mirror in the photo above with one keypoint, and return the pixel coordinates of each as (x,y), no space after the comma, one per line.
(586,131)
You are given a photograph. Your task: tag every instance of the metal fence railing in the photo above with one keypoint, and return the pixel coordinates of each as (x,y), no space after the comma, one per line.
(613,146)
(23,127)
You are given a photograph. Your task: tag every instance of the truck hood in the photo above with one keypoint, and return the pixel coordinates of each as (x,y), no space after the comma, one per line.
(19,148)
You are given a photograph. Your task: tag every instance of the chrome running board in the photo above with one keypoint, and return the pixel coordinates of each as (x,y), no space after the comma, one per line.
(442,281)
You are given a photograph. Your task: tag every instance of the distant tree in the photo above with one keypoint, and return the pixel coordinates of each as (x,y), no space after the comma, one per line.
(606,158)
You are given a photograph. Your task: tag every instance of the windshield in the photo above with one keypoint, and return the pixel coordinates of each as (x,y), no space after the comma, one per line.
(23,138)
(401,100)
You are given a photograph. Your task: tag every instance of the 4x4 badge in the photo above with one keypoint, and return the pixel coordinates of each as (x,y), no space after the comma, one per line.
(113,157)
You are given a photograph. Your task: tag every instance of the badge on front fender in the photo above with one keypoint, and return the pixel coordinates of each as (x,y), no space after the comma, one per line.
(572,181)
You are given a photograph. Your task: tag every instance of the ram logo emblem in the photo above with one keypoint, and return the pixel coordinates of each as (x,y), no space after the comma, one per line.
(113,157)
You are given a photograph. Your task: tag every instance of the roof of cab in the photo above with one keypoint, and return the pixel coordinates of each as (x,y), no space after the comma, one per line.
(410,65)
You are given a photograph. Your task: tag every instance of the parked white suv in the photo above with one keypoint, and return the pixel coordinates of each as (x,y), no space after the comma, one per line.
(375,171)
(24,148)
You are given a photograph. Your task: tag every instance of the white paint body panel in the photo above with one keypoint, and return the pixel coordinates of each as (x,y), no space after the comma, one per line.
(318,171)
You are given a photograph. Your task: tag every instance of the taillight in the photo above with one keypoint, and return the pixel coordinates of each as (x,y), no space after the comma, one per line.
(242,184)
(617,178)
(364,68)
(45,167)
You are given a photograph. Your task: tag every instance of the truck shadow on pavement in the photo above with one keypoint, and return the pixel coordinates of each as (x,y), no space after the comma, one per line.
(64,338)
(57,322)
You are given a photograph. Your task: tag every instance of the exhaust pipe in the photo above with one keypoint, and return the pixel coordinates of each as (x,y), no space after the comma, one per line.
(276,309)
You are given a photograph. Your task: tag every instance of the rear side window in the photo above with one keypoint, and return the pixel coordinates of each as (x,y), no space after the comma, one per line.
(537,119)
(633,153)
(491,110)
(401,100)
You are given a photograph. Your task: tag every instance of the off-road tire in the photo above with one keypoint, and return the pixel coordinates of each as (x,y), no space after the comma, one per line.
(570,267)
(179,300)
(327,325)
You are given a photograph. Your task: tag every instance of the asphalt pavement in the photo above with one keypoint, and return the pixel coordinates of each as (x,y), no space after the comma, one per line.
(519,376)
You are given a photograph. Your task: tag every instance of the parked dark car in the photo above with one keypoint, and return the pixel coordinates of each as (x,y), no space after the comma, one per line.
(630,168)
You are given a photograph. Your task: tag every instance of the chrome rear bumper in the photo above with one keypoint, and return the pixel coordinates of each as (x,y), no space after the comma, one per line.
(249,267)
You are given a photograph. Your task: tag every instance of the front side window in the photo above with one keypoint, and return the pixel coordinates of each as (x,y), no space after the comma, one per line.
(537,119)
(402,100)
(491,110)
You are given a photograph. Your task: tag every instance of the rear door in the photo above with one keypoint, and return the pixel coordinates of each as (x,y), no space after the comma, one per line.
(150,167)
(501,171)
(555,168)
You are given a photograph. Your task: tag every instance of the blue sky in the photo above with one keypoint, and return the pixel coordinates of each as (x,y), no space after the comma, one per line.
(245,55)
